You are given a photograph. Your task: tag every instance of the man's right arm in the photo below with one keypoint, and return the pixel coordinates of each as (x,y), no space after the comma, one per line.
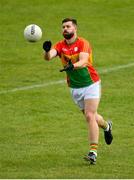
(49,53)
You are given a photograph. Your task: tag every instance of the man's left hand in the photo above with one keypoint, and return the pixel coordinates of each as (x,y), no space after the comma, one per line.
(68,67)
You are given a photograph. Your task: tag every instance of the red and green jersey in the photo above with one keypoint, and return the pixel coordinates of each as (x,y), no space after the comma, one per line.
(81,77)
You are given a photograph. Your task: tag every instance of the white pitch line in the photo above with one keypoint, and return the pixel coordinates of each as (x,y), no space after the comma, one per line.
(101,71)
(111,69)
(32,86)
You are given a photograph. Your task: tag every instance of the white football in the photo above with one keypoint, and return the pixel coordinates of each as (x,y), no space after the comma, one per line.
(32,33)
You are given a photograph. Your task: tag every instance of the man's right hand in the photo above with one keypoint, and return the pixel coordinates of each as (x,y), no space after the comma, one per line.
(47,45)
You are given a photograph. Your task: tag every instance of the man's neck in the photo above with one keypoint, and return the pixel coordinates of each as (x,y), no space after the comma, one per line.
(72,40)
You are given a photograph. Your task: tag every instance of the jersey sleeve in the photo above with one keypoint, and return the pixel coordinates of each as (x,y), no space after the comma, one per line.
(57,46)
(85,46)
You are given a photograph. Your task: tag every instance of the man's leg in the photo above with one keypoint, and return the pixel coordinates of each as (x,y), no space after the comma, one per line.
(101,122)
(107,127)
(90,110)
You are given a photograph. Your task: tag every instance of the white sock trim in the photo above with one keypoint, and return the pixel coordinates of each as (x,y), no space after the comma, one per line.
(107,129)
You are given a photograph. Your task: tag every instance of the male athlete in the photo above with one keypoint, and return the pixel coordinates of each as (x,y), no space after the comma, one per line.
(84,82)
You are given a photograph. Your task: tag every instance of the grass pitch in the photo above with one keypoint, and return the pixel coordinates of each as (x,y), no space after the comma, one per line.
(42,133)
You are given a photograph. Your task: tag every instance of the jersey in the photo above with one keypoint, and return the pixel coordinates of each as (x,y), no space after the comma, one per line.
(81,77)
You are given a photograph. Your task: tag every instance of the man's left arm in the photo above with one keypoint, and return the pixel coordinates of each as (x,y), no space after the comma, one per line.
(83,60)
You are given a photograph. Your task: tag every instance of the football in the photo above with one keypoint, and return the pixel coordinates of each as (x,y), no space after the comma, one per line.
(32,33)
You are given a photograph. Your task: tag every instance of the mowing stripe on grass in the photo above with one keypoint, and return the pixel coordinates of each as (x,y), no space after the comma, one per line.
(101,71)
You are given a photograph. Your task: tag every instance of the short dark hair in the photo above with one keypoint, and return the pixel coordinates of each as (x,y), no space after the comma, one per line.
(74,21)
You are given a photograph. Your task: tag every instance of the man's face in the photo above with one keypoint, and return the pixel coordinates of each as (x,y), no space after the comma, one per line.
(68,29)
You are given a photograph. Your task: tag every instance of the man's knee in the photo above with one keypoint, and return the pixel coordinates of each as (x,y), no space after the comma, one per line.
(90,116)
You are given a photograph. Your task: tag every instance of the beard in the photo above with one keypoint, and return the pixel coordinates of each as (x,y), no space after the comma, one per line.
(68,35)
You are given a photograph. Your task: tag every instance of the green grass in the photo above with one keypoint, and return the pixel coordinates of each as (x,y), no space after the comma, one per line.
(42,133)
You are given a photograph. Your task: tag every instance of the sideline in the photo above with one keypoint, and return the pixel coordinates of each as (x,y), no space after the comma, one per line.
(101,71)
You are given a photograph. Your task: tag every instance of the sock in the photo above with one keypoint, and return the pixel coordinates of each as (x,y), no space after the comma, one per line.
(106,127)
(93,148)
